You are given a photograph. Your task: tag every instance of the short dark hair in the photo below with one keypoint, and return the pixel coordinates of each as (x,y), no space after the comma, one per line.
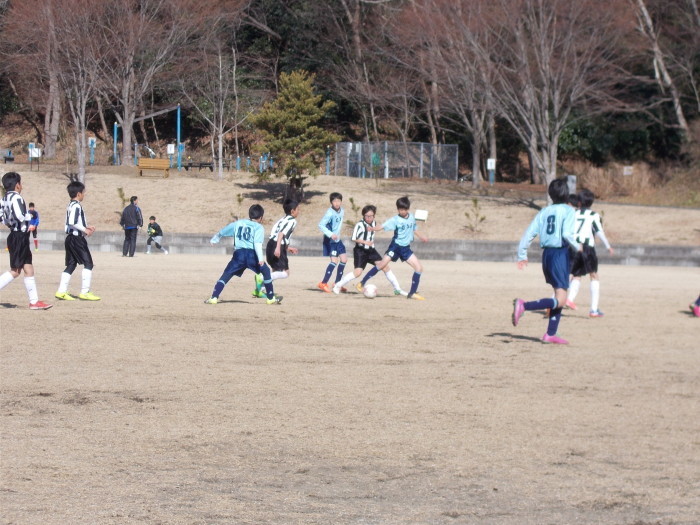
(558,191)
(368,208)
(402,203)
(152,218)
(256,212)
(10,180)
(574,200)
(289,205)
(336,195)
(31,204)
(74,187)
(133,198)
(586,198)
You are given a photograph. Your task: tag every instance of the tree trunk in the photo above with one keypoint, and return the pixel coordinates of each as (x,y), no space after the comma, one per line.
(52,116)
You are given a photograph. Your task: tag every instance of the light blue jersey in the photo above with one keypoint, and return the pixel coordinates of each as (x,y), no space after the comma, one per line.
(555,226)
(403,228)
(247,234)
(332,222)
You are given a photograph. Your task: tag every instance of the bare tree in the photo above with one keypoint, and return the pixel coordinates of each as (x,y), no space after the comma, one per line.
(143,38)
(549,58)
(661,69)
(75,65)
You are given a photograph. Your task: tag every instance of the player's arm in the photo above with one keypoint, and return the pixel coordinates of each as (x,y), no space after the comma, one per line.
(526,240)
(227,231)
(598,229)
(322,225)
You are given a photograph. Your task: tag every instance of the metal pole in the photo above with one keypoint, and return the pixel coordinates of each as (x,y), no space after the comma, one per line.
(114,153)
(179,149)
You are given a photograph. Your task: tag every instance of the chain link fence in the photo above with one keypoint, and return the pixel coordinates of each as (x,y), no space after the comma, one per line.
(388,160)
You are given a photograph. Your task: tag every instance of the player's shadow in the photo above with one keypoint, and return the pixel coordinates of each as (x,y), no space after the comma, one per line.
(688,313)
(507,337)
(8,305)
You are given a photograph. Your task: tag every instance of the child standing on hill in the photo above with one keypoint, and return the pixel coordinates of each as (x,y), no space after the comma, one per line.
(155,236)
(248,237)
(365,252)
(333,247)
(14,214)
(34,221)
(555,226)
(278,246)
(77,251)
(404,227)
(588,226)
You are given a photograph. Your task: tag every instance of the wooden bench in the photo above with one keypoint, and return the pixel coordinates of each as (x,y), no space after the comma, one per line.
(155,165)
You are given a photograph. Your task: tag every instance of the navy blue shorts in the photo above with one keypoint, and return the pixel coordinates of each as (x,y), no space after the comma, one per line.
(397,252)
(242,259)
(555,266)
(332,248)
(363,256)
(584,262)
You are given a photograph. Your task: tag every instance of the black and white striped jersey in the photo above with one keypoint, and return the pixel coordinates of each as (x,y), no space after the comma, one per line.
(285,227)
(75,219)
(360,232)
(14,212)
(588,225)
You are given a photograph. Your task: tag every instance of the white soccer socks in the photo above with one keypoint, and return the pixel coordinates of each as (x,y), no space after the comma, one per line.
(574,287)
(393,280)
(30,285)
(63,285)
(5,279)
(595,295)
(86,281)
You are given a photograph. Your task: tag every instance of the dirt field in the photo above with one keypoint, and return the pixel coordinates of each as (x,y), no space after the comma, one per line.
(152,407)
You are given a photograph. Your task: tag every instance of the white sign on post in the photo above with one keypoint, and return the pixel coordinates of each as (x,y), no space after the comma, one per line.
(92,142)
(490,164)
(628,170)
(171,149)
(35,153)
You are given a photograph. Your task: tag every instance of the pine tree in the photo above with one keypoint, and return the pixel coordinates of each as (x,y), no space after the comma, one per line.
(290,126)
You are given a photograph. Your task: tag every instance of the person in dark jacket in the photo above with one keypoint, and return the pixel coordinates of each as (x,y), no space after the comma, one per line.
(131,221)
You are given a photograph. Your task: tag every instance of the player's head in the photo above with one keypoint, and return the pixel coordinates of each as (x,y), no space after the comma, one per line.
(10,180)
(558,191)
(586,198)
(335,195)
(152,218)
(368,213)
(74,187)
(289,206)
(402,203)
(133,199)
(31,205)
(256,212)
(574,200)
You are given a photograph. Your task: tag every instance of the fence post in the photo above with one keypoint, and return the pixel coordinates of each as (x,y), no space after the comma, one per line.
(386,159)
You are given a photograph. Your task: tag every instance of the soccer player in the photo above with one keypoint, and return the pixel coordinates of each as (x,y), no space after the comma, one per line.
(77,251)
(34,221)
(248,237)
(364,252)
(155,235)
(588,226)
(333,247)
(404,227)
(695,307)
(14,215)
(278,246)
(555,226)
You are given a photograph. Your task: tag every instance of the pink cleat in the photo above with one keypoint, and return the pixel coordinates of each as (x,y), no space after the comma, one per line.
(571,305)
(39,305)
(695,309)
(518,310)
(554,339)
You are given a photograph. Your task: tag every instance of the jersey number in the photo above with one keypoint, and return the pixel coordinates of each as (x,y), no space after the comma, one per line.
(551,224)
(581,223)
(243,234)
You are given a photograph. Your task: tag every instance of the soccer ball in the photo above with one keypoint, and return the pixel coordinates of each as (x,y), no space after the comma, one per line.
(370,291)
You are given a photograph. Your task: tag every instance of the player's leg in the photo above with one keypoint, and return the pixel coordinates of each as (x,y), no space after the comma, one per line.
(342,261)
(695,307)
(595,284)
(346,279)
(85,258)
(232,268)
(414,263)
(323,285)
(391,277)
(36,240)
(374,270)
(148,245)
(574,287)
